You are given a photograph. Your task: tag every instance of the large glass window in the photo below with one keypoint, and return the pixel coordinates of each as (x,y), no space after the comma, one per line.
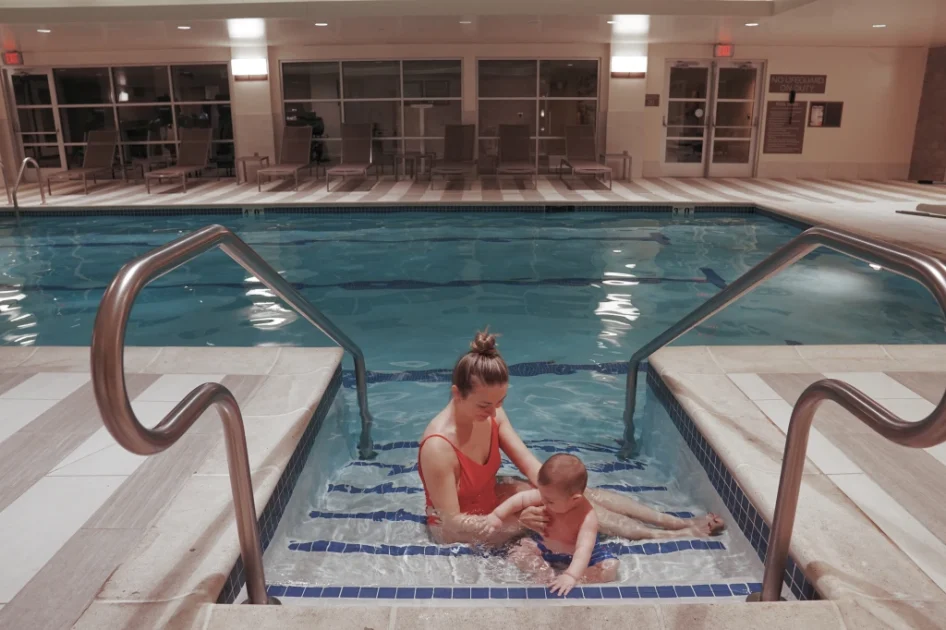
(408,103)
(146,104)
(545,95)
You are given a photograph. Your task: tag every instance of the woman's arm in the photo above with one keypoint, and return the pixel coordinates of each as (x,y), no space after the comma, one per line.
(515,448)
(438,461)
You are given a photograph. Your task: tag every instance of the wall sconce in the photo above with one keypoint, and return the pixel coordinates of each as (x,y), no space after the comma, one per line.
(253,69)
(634,67)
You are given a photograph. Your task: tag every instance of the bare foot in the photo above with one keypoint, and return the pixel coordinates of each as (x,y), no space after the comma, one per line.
(708,525)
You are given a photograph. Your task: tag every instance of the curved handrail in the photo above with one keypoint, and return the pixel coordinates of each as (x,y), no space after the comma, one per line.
(108,375)
(19,179)
(6,186)
(925,269)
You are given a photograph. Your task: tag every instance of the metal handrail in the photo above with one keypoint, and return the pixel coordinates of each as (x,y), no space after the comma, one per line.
(19,178)
(108,376)
(6,186)
(928,432)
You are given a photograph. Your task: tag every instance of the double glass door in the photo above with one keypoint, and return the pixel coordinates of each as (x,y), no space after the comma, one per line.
(711,118)
(35,123)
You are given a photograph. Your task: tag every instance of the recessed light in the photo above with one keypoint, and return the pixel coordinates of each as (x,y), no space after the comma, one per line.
(183,28)
(43,30)
(321,23)
(752,23)
(612,21)
(466,21)
(880,26)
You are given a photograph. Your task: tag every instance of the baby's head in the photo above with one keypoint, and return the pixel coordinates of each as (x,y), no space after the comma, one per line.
(562,481)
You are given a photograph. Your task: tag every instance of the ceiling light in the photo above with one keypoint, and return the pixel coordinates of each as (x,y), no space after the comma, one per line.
(466,21)
(752,23)
(611,21)
(880,26)
(321,23)
(43,30)
(183,28)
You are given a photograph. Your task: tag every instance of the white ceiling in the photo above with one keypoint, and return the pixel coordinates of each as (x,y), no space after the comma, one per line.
(822,22)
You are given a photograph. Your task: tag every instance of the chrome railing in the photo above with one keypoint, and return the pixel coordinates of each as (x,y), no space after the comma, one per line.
(19,179)
(108,376)
(6,186)
(930,431)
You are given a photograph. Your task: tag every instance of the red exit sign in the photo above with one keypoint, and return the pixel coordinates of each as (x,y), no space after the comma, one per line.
(12,58)
(724,50)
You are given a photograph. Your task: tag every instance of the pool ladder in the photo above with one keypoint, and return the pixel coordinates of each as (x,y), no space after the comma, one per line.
(108,377)
(928,432)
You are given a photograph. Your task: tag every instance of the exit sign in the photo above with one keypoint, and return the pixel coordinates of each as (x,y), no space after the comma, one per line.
(724,50)
(12,58)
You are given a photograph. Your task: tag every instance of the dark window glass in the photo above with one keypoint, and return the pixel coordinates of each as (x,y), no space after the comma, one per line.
(145,123)
(46,156)
(436,116)
(82,86)
(507,78)
(496,113)
(324,118)
(310,81)
(555,116)
(432,79)
(37,120)
(217,117)
(385,116)
(737,83)
(201,83)
(569,78)
(78,121)
(221,154)
(688,82)
(157,155)
(371,79)
(31,89)
(141,84)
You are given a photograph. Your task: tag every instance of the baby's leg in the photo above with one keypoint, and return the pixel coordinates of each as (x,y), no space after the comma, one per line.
(604,571)
(710,524)
(623,526)
(528,559)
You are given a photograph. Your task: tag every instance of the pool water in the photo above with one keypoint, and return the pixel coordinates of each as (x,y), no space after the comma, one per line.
(573,296)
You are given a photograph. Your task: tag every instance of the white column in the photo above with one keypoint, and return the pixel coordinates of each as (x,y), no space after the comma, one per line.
(253,120)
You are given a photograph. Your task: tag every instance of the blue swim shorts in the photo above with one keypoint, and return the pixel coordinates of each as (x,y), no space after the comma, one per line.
(600,553)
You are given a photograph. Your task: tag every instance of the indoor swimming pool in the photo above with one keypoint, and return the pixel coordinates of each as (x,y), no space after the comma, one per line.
(572,294)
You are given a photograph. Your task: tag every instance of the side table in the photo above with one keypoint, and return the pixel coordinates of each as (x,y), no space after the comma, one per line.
(262,160)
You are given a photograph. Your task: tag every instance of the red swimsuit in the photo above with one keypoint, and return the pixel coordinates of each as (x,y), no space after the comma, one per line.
(476,487)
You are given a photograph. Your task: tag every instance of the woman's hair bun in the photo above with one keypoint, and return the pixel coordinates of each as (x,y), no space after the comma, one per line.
(484,344)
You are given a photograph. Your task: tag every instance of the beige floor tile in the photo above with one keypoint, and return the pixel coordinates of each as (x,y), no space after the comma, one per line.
(79,413)
(270,440)
(686,360)
(759,358)
(790,386)
(192,613)
(929,385)
(12,357)
(25,458)
(306,360)
(282,394)
(299,617)
(852,351)
(548,617)
(213,360)
(9,380)
(934,354)
(91,556)
(879,614)
(243,388)
(743,616)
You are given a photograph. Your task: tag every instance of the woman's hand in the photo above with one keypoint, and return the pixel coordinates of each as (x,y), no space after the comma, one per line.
(534,518)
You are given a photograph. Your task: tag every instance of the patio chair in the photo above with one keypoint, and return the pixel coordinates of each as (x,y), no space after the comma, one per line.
(357,157)
(515,155)
(580,155)
(459,145)
(98,159)
(295,154)
(192,158)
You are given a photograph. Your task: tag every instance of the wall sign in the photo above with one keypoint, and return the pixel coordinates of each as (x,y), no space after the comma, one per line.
(825,114)
(799,83)
(652,100)
(785,127)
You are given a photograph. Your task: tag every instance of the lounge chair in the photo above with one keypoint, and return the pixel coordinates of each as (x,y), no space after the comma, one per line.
(192,158)
(515,155)
(356,153)
(98,160)
(459,145)
(580,155)
(294,155)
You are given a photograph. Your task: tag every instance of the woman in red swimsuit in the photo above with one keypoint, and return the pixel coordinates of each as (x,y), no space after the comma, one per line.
(459,458)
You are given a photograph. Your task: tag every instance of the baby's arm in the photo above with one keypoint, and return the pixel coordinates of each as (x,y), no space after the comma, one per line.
(584,547)
(513,505)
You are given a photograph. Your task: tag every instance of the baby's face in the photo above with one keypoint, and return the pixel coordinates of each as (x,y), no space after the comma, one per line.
(556,499)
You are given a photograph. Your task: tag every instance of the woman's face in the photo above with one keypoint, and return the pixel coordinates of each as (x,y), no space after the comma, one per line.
(482,401)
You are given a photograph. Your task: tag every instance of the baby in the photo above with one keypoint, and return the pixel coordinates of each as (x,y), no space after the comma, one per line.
(571,537)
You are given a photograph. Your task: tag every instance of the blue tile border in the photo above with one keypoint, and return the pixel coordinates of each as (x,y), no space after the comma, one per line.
(512,594)
(276,505)
(747,517)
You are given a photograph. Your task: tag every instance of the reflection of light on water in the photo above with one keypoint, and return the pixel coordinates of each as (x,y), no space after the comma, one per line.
(875,267)
(265,313)
(11,310)
(616,315)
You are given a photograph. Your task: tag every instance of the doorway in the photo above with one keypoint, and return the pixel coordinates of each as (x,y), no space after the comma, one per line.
(711,118)
(35,123)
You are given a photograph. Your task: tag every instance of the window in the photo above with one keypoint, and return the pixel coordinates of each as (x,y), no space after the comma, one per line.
(408,103)
(545,95)
(147,105)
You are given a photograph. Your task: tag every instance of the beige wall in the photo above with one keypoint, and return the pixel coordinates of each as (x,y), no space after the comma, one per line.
(880,88)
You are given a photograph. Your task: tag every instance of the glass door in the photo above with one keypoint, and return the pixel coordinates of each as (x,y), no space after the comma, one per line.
(35,123)
(711,120)
(685,123)
(733,132)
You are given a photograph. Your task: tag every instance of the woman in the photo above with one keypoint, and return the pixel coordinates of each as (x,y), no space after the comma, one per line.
(459,457)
